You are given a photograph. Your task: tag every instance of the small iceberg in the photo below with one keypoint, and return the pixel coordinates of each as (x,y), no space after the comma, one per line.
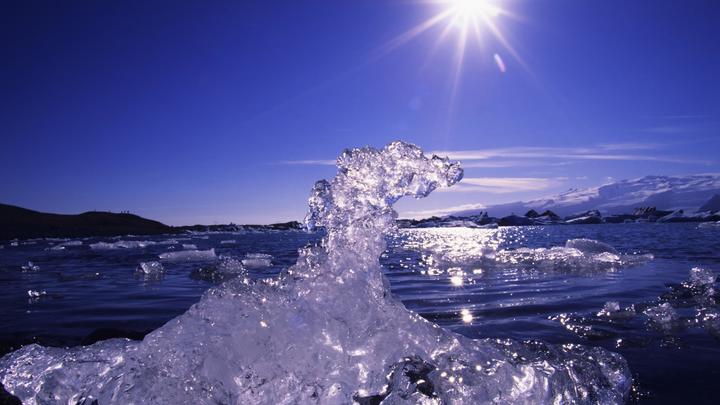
(189,256)
(257,260)
(150,269)
(30,266)
(36,294)
(664,315)
(71,243)
(226,269)
(121,244)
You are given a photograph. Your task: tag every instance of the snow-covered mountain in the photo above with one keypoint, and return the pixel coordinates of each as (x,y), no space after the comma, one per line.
(664,192)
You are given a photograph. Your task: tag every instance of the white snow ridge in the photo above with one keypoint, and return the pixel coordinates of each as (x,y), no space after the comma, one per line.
(327,331)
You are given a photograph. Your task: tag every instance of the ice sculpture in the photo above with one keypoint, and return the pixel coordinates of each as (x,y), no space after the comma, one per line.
(326,331)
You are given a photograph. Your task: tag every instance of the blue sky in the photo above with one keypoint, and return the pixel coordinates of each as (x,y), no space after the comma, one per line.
(211,112)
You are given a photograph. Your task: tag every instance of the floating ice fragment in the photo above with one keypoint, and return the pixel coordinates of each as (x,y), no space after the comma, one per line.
(30,266)
(168,242)
(153,269)
(663,314)
(610,308)
(121,244)
(701,277)
(189,256)
(228,242)
(257,260)
(590,246)
(36,294)
(189,246)
(227,268)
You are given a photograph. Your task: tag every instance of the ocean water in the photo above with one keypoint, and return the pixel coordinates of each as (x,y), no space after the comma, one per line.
(365,313)
(89,289)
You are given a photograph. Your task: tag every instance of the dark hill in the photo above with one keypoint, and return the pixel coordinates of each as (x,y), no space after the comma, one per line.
(21,223)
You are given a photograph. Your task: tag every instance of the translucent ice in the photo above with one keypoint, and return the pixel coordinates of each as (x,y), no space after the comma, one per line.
(701,277)
(590,246)
(578,255)
(189,256)
(326,331)
(30,266)
(257,260)
(121,244)
(36,294)
(189,246)
(150,269)
(663,314)
(225,269)
(610,308)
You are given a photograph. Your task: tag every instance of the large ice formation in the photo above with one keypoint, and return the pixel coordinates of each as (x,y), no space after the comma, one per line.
(327,330)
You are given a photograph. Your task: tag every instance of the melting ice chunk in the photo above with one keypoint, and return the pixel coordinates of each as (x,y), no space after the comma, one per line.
(72,243)
(257,260)
(226,269)
(663,314)
(189,256)
(590,246)
(121,244)
(150,269)
(701,277)
(30,266)
(610,308)
(36,294)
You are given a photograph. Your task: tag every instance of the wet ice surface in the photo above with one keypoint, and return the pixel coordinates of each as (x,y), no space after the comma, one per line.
(503,283)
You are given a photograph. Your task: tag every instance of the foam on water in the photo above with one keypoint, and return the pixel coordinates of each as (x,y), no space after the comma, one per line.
(327,330)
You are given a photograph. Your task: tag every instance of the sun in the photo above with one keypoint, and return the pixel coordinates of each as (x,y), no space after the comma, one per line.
(469,24)
(468,21)
(466,11)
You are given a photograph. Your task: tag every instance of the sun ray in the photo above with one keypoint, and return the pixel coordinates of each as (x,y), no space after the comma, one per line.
(410,34)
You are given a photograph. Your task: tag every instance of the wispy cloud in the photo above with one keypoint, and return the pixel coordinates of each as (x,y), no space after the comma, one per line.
(310,162)
(668,129)
(521,156)
(537,155)
(504,185)
(440,211)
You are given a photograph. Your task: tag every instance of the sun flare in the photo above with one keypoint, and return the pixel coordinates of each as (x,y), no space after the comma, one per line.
(467,11)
